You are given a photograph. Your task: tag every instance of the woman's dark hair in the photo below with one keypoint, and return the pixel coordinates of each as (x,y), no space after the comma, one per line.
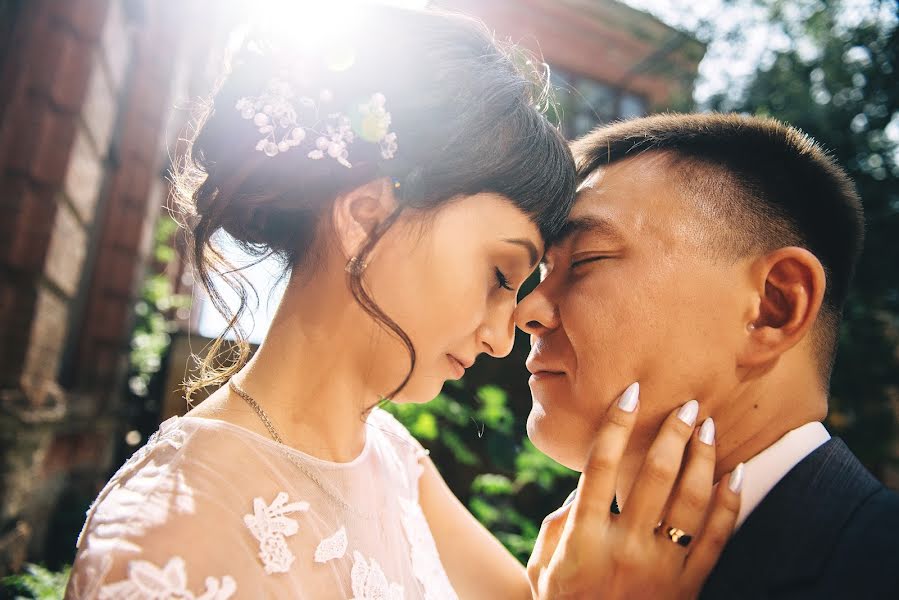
(467,113)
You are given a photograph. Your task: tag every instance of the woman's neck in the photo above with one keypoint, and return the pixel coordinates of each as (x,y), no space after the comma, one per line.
(305,377)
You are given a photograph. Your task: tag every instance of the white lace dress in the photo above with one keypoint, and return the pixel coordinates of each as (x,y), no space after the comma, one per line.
(211,510)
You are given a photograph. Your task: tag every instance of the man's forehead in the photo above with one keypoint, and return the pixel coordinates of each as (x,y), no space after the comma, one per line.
(634,170)
(643,183)
(628,198)
(593,201)
(592,180)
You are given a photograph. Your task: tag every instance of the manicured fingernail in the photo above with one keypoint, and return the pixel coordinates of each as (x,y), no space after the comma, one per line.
(628,400)
(570,498)
(736,479)
(688,412)
(707,432)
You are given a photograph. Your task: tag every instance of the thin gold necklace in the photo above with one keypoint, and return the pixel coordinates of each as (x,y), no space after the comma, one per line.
(274,433)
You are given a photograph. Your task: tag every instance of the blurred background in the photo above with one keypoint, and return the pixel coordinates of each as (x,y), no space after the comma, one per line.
(99,313)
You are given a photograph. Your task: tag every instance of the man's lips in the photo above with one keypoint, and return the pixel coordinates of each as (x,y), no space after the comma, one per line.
(539,368)
(541,375)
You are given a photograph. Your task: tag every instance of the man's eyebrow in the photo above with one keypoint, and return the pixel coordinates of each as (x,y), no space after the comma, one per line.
(590,224)
(527,245)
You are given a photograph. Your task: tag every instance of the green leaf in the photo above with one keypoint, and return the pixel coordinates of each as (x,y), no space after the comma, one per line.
(424,427)
(492,484)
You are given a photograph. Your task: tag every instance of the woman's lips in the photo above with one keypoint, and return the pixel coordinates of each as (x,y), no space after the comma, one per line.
(456,365)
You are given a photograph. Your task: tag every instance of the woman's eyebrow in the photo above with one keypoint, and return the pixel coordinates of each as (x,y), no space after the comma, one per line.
(527,245)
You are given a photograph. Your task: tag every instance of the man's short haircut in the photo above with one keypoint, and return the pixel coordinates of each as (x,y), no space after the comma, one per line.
(764,184)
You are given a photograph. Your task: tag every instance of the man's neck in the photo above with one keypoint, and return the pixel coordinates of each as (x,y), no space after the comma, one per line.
(748,419)
(759,417)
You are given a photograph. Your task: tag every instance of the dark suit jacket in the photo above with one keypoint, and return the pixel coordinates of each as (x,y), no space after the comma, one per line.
(828,529)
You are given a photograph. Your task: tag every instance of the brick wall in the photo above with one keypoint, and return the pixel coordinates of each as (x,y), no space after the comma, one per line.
(86,92)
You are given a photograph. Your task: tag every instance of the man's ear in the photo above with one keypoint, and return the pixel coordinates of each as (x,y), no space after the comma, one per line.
(790,285)
(360,211)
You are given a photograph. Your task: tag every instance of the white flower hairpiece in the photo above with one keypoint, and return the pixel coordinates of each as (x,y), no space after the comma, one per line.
(277,117)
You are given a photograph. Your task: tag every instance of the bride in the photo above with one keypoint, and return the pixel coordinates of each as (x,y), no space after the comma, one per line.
(409,182)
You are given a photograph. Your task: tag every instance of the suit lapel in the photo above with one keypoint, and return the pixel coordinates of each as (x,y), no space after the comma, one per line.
(789,536)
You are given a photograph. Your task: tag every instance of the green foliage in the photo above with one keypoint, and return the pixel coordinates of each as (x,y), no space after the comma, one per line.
(39,583)
(153,327)
(505,476)
(836,80)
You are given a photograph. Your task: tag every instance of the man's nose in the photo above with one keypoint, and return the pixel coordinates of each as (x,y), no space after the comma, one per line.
(537,312)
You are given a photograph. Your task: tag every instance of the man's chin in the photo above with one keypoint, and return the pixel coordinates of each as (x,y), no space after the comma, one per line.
(554,439)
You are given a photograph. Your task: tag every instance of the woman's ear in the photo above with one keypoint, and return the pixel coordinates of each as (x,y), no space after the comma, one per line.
(359,212)
(790,284)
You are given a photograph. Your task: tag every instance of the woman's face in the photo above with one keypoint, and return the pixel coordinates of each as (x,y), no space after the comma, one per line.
(449,279)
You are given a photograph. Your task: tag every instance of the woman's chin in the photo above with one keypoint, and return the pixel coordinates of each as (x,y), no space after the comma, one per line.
(418,392)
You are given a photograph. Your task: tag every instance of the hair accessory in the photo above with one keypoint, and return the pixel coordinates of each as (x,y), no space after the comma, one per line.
(286,122)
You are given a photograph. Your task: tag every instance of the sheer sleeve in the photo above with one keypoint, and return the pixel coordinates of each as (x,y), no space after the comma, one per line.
(409,450)
(154,533)
(208,510)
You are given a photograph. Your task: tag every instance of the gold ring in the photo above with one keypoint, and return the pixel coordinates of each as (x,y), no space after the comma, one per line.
(678,536)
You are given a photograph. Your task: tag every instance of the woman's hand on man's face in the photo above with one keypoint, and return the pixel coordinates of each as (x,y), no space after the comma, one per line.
(665,542)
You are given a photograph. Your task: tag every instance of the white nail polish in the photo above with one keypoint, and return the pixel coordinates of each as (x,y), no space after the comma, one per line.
(628,400)
(688,412)
(707,432)
(736,479)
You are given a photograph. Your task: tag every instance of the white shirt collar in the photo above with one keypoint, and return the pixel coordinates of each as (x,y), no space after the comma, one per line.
(764,470)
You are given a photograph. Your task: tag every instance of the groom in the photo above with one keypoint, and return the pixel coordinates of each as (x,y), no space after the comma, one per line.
(709,257)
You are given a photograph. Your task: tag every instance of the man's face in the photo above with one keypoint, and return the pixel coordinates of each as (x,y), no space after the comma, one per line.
(629,294)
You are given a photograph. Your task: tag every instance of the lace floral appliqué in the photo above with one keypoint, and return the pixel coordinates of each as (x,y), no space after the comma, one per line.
(426,563)
(332,547)
(152,495)
(146,580)
(85,583)
(370,583)
(271,526)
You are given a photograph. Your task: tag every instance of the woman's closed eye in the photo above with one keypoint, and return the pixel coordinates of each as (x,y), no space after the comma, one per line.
(502,280)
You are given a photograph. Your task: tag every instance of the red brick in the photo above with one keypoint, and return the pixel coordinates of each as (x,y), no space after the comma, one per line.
(70,83)
(116,272)
(116,266)
(109,326)
(17,302)
(62,68)
(156,106)
(141,139)
(45,59)
(41,143)
(138,175)
(107,357)
(106,315)
(127,229)
(25,231)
